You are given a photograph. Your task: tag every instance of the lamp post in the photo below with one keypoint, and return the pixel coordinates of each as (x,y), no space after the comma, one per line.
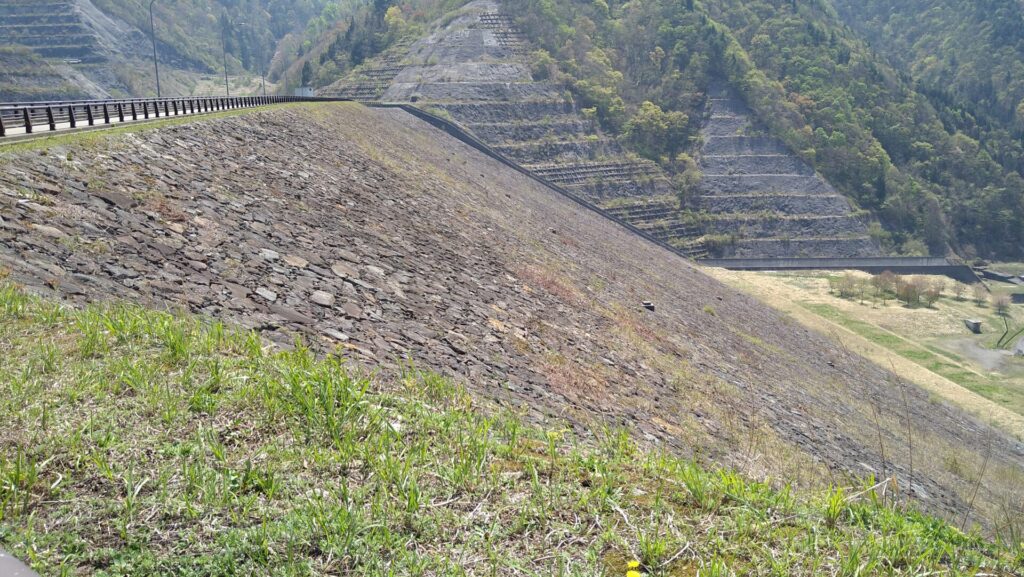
(224,49)
(259,58)
(152,32)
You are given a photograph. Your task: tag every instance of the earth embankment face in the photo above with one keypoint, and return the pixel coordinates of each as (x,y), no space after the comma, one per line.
(368,234)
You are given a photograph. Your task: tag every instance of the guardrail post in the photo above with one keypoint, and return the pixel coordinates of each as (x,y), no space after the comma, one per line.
(88,115)
(120,112)
(106,114)
(156,110)
(3,131)
(49,118)
(167,110)
(28,120)
(71,116)
(145,110)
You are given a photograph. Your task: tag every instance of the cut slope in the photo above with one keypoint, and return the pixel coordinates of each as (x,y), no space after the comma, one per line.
(371,232)
(770,202)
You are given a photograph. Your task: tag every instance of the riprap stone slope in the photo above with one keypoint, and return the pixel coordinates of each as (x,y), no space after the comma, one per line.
(373,235)
(767,201)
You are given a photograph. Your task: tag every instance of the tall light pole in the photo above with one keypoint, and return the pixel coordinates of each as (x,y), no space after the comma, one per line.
(152,32)
(259,58)
(224,48)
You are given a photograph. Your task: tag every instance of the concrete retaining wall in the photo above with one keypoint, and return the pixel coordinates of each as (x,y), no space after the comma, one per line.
(909,265)
(782,204)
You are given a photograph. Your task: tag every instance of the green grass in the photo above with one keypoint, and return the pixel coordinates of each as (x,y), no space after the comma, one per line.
(141,443)
(939,362)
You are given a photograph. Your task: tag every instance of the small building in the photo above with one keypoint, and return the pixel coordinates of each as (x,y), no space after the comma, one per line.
(973,326)
(305,92)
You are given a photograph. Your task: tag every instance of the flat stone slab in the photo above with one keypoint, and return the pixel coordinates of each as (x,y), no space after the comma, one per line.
(11,567)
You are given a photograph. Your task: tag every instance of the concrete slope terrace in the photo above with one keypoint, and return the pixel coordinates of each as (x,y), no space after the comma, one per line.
(765,199)
(369,233)
(474,69)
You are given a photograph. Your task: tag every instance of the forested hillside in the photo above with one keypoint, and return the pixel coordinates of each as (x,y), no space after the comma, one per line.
(193,30)
(103,47)
(913,110)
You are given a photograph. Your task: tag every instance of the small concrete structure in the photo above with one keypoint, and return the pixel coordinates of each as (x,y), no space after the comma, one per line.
(11,567)
(1018,299)
(648,305)
(1019,351)
(304,92)
(973,326)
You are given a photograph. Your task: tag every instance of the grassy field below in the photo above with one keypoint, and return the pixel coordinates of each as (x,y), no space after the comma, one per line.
(934,339)
(139,443)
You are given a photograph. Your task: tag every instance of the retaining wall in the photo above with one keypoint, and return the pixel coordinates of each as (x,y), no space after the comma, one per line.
(909,265)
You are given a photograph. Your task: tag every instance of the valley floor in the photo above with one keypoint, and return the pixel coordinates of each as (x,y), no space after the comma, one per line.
(931,344)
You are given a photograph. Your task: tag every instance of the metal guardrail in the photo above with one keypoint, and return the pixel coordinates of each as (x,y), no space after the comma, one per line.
(19,118)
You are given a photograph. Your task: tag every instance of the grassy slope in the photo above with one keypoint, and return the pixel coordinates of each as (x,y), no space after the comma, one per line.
(932,340)
(142,443)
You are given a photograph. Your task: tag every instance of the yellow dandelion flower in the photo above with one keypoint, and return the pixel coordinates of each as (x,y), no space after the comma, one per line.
(634,573)
(633,565)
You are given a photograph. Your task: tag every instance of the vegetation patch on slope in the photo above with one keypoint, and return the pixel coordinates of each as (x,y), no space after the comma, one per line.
(142,442)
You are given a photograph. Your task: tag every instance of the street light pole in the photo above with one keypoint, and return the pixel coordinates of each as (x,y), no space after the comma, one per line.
(224,48)
(152,32)
(263,74)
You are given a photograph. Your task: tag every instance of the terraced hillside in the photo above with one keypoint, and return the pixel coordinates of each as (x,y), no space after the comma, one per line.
(51,28)
(373,236)
(757,198)
(473,68)
(761,200)
(25,76)
(84,43)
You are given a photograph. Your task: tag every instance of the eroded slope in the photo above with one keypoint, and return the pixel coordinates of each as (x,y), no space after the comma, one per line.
(369,233)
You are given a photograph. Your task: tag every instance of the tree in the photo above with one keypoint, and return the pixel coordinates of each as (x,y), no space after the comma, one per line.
(884,284)
(1001,303)
(657,134)
(307,73)
(959,289)
(687,179)
(909,290)
(980,294)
